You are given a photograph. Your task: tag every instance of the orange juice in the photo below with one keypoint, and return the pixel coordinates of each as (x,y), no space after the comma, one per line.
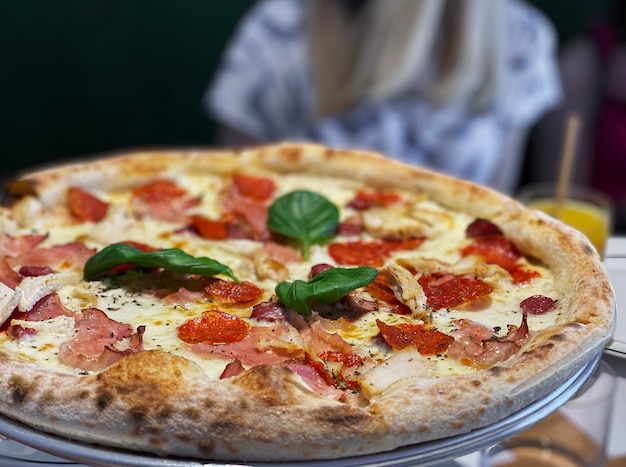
(592,220)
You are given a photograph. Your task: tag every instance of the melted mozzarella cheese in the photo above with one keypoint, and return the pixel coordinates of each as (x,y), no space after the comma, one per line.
(161,318)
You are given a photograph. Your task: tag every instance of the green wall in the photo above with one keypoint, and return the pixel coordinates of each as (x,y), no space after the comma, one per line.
(79,77)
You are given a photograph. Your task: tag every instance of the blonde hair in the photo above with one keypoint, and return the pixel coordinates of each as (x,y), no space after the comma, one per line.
(441,49)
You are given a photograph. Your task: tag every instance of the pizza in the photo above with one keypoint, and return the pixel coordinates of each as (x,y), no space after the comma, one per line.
(282,302)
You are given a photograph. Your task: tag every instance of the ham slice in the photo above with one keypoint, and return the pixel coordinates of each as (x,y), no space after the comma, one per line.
(264,345)
(99,342)
(57,257)
(477,346)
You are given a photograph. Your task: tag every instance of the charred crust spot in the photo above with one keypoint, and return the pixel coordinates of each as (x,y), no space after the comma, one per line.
(558,337)
(329,153)
(243,405)
(224,426)
(137,415)
(164,413)
(271,385)
(206,447)
(423,428)
(547,346)
(47,397)
(476,383)
(103,399)
(208,403)
(183,437)
(342,419)
(496,371)
(457,424)
(157,441)
(293,153)
(191,414)
(20,390)
(588,250)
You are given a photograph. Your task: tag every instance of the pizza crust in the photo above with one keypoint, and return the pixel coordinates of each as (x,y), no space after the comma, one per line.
(163,404)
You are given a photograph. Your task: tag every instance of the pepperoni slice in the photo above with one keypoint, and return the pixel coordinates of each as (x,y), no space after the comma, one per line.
(369,199)
(522,275)
(482,228)
(158,191)
(346,359)
(369,253)
(213,327)
(259,188)
(85,206)
(208,228)
(537,304)
(495,249)
(428,341)
(229,292)
(451,290)
(358,253)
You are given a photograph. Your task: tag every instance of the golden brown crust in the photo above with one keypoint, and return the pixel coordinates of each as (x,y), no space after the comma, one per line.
(156,402)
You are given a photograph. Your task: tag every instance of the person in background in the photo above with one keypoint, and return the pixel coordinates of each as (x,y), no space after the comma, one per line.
(593,74)
(451,85)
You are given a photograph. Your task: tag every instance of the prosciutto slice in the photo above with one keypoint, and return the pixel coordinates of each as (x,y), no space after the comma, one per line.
(100,342)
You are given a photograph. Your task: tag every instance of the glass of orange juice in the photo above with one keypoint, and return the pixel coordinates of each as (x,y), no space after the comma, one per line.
(586,209)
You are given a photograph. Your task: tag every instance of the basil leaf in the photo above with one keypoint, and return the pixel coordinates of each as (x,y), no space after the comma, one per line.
(304,216)
(327,287)
(171,259)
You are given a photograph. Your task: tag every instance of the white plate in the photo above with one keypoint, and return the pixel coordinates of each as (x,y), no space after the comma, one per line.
(616,267)
(16,454)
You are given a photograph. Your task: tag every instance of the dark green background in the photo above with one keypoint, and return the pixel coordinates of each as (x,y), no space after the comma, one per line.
(79,77)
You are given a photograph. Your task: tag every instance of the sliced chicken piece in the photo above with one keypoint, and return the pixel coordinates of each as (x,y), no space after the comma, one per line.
(407,290)
(405,221)
(36,287)
(9,299)
(397,371)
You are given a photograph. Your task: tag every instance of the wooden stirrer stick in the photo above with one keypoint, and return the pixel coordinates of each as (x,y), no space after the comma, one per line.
(565,166)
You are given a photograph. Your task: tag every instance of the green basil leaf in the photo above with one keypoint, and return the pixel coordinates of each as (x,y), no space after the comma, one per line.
(327,287)
(171,259)
(304,216)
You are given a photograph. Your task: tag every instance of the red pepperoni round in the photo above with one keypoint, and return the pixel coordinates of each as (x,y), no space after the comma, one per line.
(233,292)
(209,228)
(450,290)
(260,188)
(522,275)
(359,253)
(369,253)
(159,190)
(428,341)
(482,228)
(537,304)
(495,249)
(213,327)
(85,206)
